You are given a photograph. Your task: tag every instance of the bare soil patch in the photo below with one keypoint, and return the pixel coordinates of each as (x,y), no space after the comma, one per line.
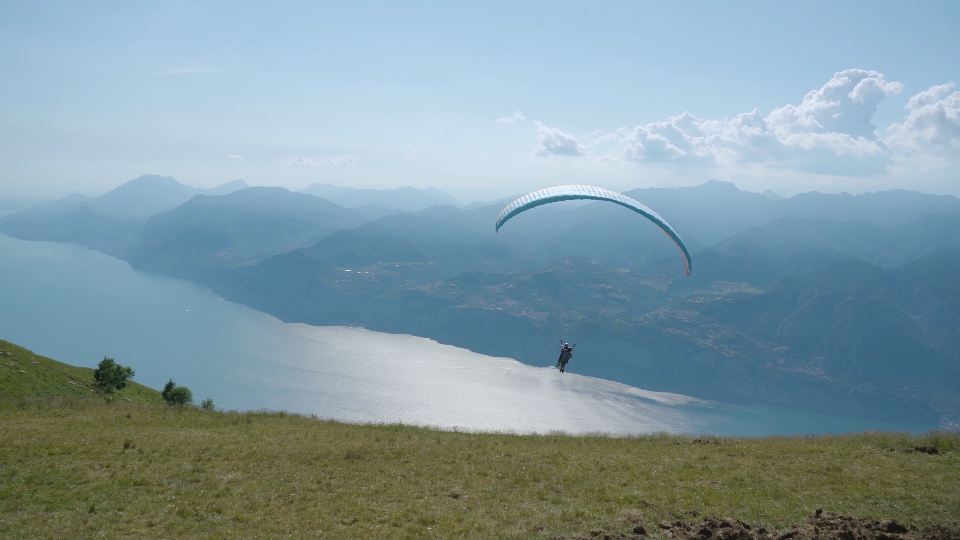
(819,526)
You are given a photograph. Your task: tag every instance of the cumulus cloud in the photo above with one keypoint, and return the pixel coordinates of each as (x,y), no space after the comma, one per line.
(553,142)
(932,125)
(301,161)
(341,161)
(517,117)
(234,156)
(830,131)
(338,161)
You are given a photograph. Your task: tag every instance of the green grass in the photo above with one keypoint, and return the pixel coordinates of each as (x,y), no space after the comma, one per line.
(84,468)
(23,373)
(76,467)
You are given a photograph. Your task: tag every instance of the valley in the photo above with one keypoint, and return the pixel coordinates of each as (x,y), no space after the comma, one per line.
(823,302)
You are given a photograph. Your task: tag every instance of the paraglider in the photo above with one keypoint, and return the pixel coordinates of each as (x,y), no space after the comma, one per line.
(566,352)
(571,193)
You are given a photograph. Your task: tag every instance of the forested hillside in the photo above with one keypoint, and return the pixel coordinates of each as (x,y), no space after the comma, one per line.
(837,303)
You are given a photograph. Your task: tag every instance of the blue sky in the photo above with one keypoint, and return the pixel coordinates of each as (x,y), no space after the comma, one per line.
(385,95)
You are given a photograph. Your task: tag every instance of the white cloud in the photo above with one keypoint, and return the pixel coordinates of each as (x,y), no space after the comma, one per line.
(338,161)
(932,125)
(411,154)
(300,161)
(829,131)
(517,117)
(553,142)
(234,156)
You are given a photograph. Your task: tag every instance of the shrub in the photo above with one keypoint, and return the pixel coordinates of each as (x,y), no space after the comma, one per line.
(111,376)
(166,390)
(207,404)
(177,395)
(180,395)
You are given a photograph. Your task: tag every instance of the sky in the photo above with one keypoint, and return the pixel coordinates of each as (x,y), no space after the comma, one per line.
(482,100)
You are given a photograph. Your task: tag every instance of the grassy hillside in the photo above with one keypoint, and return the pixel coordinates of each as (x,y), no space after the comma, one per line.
(74,467)
(23,373)
(86,468)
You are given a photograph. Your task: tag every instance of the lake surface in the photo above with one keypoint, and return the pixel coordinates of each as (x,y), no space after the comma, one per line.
(77,306)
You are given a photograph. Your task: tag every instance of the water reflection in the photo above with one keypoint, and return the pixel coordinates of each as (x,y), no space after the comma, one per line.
(77,305)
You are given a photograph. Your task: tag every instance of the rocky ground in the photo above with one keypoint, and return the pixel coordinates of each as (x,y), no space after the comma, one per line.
(820,526)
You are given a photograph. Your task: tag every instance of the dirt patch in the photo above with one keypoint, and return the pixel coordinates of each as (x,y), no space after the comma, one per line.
(820,526)
(630,516)
(700,441)
(840,527)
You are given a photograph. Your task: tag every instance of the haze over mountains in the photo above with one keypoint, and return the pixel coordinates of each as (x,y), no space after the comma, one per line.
(406,198)
(213,232)
(838,303)
(110,222)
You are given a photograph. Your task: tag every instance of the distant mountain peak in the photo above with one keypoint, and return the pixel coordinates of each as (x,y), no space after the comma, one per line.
(771,195)
(407,198)
(719,184)
(148,183)
(225,189)
(324,191)
(240,184)
(149,180)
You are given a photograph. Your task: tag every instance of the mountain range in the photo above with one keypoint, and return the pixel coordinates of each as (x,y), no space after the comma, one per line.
(839,303)
(406,198)
(111,222)
(209,232)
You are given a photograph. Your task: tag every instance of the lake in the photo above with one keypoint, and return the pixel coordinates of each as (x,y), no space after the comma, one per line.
(77,305)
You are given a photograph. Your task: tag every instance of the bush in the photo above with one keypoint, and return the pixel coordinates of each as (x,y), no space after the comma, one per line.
(177,395)
(207,404)
(111,376)
(166,390)
(180,395)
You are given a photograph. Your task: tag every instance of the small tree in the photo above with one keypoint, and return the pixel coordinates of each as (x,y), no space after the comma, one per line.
(177,395)
(207,404)
(166,390)
(180,395)
(111,376)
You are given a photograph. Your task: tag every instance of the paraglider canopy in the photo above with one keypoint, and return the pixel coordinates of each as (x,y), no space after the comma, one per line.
(572,193)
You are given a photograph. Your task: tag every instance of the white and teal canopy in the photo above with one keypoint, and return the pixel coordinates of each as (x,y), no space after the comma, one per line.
(572,193)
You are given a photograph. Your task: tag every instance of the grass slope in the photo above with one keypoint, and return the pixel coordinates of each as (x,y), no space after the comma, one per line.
(85,468)
(23,373)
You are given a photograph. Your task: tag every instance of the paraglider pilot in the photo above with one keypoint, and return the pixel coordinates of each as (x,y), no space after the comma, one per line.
(566,351)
